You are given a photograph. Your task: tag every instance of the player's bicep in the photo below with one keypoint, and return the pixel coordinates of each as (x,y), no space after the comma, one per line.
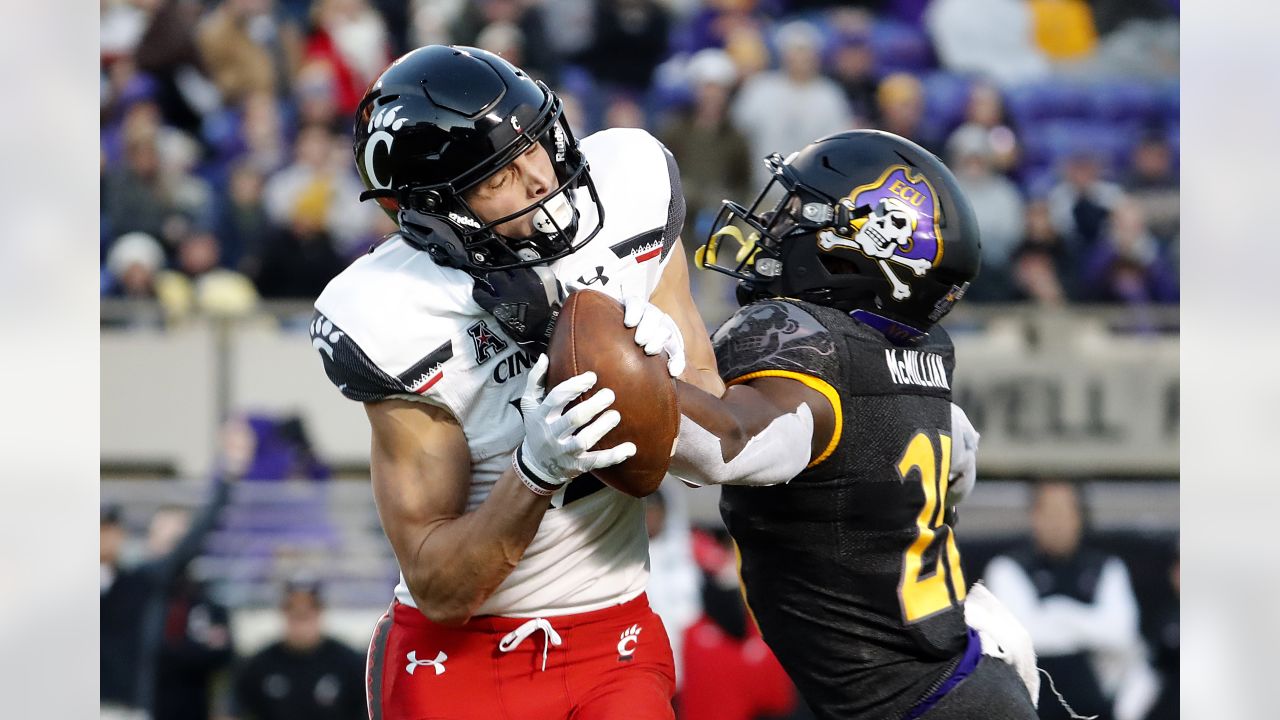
(674,297)
(420,469)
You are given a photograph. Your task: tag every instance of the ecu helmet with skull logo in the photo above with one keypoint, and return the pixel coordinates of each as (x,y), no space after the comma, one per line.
(441,119)
(863,221)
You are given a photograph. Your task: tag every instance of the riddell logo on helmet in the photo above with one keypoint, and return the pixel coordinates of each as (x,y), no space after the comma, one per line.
(464,220)
(561,142)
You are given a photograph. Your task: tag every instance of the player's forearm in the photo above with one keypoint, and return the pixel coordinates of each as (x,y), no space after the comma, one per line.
(739,439)
(461,561)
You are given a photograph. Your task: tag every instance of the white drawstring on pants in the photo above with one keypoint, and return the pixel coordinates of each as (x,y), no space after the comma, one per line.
(517,636)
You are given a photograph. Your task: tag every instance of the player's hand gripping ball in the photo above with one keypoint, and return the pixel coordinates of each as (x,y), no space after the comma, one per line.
(590,335)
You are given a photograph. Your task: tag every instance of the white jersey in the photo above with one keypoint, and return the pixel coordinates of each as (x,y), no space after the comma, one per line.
(397,325)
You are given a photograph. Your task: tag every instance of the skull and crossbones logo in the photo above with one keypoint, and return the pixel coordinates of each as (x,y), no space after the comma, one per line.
(884,233)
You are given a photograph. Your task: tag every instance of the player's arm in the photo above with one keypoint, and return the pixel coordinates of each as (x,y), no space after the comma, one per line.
(674,297)
(762,431)
(454,560)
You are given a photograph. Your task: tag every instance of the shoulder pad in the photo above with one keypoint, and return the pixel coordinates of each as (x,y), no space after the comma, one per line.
(775,335)
(357,377)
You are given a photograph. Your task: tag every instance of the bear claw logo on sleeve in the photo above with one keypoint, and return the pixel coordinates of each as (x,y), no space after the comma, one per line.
(901,226)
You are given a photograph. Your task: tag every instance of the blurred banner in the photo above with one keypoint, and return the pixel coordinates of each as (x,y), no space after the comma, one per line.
(1050,391)
(1101,416)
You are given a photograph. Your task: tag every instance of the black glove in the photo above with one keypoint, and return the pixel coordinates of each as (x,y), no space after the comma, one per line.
(524,301)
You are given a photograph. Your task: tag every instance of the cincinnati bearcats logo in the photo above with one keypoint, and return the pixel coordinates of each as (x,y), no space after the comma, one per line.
(628,642)
(486,341)
(384,122)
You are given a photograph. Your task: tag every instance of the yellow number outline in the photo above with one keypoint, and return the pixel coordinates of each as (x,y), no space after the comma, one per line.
(920,596)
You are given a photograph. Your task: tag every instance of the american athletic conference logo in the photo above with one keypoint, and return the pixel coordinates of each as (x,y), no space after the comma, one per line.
(385,122)
(902,226)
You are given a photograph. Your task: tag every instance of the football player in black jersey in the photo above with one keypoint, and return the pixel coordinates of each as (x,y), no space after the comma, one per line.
(839,410)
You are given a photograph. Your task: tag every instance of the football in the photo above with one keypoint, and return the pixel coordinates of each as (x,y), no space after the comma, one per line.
(589,335)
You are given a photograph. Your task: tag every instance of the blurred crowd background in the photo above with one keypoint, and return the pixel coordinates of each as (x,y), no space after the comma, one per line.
(229,199)
(226,151)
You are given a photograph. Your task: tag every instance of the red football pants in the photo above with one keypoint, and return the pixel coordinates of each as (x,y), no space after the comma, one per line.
(610,664)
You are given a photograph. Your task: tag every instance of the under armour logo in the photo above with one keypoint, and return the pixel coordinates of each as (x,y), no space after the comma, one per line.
(600,277)
(414,662)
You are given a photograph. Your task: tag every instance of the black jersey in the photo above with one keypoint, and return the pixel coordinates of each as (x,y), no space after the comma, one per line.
(851,569)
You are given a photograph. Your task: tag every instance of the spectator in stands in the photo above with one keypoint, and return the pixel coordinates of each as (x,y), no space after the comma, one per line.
(306,675)
(1039,266)
(315,94)
(262,133)
(200,282)
(853,66)
(1076,602)
(729,672)
(623,112)
(713,156)
(247,49)
(997,205)
(350,38)
(132,264)
(782,111)
(674,587)
(301,258)
(985,110)
(505,39)
(1064,29)
(167,52)
(322,165)
(635,29)
(1128,264)
(990,38)
(1080,202)
(715,22)
(900,109)
(539,47)
(1153,182)
(134,197)
(159,639)
(243,226)
(191,632)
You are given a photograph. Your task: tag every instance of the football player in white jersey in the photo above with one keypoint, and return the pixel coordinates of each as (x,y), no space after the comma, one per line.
(522,588)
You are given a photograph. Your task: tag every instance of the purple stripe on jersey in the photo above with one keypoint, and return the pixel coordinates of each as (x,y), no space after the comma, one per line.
(972,654)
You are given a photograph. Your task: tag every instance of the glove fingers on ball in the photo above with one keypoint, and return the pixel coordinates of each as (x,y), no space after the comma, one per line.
(582,413)
(565,392)
(608,458)
(591,434)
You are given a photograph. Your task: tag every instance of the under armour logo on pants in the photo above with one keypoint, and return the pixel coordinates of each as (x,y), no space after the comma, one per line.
(414,662)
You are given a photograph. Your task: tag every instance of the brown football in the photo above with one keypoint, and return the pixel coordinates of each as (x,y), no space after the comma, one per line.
(589,335)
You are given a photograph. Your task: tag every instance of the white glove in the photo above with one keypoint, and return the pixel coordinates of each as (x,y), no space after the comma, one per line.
(964,456)
(557,444)
(655,331)
(1003,637)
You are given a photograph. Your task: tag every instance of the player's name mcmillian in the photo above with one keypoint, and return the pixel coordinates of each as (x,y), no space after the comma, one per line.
(917,368)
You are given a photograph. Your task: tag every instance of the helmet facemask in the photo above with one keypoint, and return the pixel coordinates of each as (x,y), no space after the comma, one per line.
(776,252)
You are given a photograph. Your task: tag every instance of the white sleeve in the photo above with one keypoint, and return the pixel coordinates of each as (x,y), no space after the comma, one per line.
(1053,628)
(1113,615)
(774,455)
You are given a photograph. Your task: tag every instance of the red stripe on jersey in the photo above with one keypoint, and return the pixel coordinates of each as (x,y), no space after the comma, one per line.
(649,255)
(427,386)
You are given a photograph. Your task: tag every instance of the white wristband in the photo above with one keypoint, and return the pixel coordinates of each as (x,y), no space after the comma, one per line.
(530,478)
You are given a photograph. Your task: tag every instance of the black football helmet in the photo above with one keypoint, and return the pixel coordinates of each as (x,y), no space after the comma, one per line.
(441,119)
(863,221)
